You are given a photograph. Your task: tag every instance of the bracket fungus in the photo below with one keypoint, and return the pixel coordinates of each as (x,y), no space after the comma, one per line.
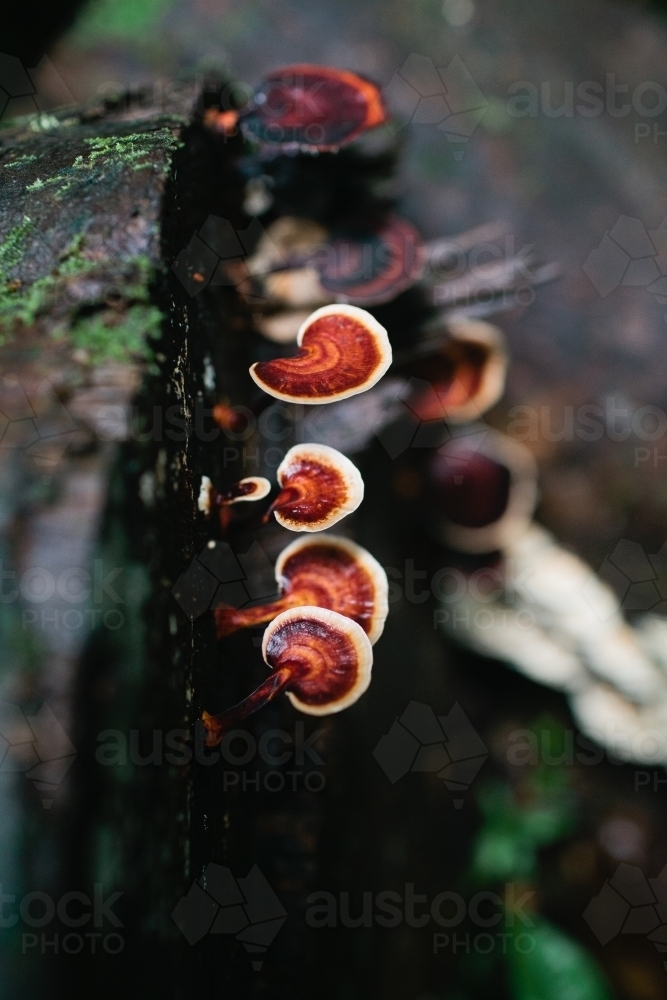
(319,487)
(286,242)
(466,375)
(343,350)
(250,488)
(309,108)
(320,659)
(325,571)
(280,273)
(296,265)
(485,491)
(369,269)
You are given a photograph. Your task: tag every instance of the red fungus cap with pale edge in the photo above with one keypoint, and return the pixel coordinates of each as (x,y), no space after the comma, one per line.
(341,574)
(330,657)
(343,351)
(324,571)
(312,107)
(319,487)
(369,270)
(466,377)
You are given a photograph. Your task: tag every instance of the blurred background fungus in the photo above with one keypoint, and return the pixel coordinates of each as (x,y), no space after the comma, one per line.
(490,818)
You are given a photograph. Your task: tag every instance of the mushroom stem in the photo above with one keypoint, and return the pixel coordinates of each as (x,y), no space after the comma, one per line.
(228,620)
(286,498)
(223,499)
(217,726)
(225,516)
(324,571)
(251,488)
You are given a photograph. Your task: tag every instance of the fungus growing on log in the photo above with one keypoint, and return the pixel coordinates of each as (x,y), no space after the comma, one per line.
(325,571)
(281,274)
(485,491)
(466,375)
(320,659)
(308,108)
(343,350)
(369,269)
(320,486)
(250,488)
(296,265)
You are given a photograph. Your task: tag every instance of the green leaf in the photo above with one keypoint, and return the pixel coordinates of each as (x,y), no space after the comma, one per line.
(512,833)
(554,967)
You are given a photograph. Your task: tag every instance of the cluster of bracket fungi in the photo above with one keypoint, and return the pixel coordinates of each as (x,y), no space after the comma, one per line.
(333,600)
(309,281)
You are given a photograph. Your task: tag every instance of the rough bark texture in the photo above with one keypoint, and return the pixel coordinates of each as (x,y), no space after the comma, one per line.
(111,445)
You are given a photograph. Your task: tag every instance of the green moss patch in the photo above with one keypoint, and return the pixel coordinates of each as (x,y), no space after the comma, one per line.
(11,250)
(20,161)
(102,308)
(109,155)
(117,335)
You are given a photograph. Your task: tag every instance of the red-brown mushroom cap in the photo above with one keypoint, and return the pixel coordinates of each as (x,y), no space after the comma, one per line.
(343,350)
(250,488)
(313,108)
(325,571)
(320,659)
(319,487)
(373,268)
(486,491)
(466,377)
(329,655)
(348,578)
